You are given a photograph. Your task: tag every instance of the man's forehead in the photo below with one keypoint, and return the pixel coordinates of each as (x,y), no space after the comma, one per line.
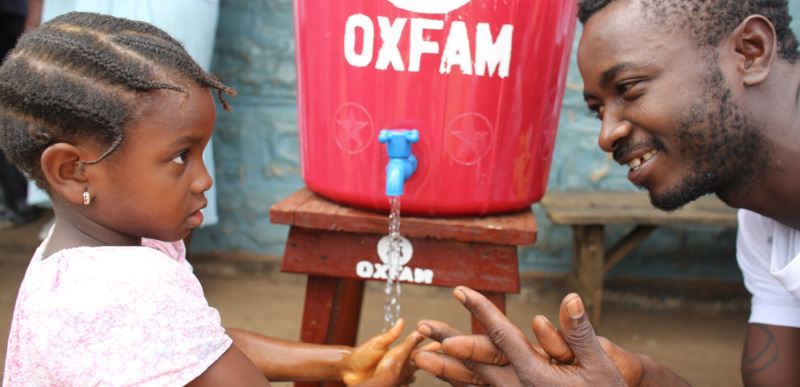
(619,33)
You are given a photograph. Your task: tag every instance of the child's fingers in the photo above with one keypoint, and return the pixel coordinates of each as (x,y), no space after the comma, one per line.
(403,350)
(385,339)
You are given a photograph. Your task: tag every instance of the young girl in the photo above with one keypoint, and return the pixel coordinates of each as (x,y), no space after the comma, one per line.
(110,117)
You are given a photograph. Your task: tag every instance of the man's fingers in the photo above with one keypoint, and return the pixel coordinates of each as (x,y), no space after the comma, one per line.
(505,335)
(447,368)
(551,340)
(478,348)
(436,330)
(579,333)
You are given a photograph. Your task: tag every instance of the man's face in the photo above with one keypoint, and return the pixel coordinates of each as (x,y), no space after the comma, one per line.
(666,109)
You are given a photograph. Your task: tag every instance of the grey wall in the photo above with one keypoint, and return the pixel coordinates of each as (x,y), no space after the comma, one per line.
(256,152)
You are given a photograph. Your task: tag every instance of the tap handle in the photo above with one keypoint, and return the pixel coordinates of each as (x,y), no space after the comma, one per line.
(398,141)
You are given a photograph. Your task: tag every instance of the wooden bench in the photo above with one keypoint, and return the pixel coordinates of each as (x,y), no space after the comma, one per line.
(588,212)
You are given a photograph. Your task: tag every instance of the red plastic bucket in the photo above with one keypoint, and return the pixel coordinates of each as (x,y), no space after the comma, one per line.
(482,82)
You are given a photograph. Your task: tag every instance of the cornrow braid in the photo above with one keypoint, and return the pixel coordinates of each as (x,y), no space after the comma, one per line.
(85,76)
(170,55)
(709,21)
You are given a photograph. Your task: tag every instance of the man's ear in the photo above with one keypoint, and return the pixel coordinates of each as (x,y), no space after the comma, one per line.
(64,171)
(756,44)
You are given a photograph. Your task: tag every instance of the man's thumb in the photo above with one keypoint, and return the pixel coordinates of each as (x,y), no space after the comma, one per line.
(578,331)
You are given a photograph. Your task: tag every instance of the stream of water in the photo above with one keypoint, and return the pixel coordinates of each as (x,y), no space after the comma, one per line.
(392,305)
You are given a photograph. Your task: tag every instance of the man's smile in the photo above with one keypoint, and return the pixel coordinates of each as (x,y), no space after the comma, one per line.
(637,161)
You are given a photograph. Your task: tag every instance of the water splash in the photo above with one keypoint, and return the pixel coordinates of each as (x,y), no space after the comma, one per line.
(392,306)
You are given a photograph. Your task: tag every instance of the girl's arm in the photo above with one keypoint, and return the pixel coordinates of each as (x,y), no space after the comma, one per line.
(233,368)
(287,360)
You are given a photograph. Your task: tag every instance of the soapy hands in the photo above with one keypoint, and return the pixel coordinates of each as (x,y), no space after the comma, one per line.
(573,356)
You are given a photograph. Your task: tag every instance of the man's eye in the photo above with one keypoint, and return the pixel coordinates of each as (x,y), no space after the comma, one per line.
(625,87)
(180,159)
(598,111)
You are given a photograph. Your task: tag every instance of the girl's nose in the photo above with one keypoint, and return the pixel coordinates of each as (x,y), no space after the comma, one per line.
(203,181)
(612,131)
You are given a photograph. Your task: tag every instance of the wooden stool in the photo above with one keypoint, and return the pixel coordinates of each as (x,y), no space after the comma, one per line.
(336,246)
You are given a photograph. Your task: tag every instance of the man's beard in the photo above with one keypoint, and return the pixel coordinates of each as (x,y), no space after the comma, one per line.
(724,155)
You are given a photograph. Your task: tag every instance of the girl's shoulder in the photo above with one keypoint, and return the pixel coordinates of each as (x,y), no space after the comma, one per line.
(151,255)
(155,264)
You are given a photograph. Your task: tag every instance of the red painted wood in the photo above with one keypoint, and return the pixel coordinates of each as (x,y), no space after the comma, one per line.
(330,242)
(306,209)
(481,266)
(346,312)
(317,309)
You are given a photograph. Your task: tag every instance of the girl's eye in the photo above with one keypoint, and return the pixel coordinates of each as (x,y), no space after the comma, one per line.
(180,159)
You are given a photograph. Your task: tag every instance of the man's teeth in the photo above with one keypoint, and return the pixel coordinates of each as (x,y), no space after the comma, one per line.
(635,163)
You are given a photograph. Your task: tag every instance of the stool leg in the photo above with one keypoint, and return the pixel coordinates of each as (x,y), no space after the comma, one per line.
(318,309)
(499,300)
(347,312)
(587,268)
(317,313)
(331,315)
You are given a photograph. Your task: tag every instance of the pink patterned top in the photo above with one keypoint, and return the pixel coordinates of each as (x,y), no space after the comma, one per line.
(112,316)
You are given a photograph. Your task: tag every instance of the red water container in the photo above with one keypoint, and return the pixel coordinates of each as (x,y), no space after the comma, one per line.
(482,81)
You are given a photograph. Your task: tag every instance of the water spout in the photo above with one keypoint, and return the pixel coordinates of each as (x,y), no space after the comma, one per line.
(402,163)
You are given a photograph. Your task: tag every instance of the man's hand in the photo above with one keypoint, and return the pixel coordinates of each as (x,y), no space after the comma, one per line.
(572,357)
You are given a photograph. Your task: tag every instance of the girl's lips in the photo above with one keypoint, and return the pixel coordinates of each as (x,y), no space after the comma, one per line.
(195,219)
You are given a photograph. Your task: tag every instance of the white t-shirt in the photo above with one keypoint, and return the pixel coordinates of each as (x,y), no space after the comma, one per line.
(767,252)
(112,316)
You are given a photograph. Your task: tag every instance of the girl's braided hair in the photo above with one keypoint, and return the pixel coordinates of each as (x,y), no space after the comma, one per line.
(85,76)
(709,21)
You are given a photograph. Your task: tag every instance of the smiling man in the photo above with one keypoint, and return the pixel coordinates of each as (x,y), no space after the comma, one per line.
(695,97)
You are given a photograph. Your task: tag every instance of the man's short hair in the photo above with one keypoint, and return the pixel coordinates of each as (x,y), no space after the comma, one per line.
(709,21)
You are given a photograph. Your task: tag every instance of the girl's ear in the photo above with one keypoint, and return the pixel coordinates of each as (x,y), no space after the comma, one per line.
(64,171)
(756,44)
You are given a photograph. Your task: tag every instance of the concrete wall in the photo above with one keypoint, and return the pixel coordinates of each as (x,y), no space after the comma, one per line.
(256,152)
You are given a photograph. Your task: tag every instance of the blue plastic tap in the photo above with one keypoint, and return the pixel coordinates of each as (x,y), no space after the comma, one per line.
(402,163)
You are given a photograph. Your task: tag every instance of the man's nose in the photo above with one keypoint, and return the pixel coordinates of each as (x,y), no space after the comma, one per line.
(612,131)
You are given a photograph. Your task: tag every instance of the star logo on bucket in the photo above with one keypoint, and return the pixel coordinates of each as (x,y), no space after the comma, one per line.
(429,6)
(352,128)
(469,138)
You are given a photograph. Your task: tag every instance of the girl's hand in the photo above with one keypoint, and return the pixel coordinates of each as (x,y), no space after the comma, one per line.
(364,359)
(398,366)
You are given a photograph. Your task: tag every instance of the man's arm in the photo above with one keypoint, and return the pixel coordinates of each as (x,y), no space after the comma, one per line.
(771,356)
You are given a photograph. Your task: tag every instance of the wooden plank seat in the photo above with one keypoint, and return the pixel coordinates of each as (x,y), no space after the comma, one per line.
(587,212)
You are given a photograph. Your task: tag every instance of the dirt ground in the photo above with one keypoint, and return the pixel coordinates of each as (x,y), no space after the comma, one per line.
(694,328)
